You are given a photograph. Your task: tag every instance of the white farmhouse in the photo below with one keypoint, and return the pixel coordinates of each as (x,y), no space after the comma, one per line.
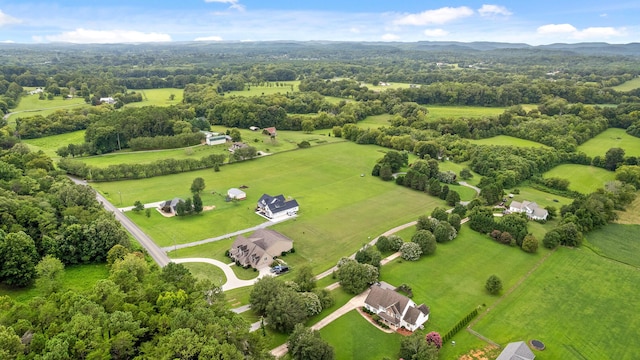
(532,209)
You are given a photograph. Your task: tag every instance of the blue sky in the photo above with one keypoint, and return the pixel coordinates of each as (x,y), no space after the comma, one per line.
(115,21)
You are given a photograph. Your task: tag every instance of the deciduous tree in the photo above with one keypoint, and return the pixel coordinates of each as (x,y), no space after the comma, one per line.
(306,344)
(493,285)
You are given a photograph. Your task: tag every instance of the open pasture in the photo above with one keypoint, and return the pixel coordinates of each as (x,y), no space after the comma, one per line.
(31,105)
(631,215)
(580,305)
(628,85)
(455,112)
(269,88)
(52,143)
(611,138)
(617,241)
(340,210)
(583,178)
(158,97)
(504,140)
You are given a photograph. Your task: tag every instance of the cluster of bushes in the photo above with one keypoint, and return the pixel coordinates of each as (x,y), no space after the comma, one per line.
(529,243)
(139,171)
(460,325)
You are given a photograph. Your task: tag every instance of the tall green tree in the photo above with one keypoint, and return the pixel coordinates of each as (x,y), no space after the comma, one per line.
(197,204)
(306,344)
(355,277)
(18,258)
(49,271)
(197,186)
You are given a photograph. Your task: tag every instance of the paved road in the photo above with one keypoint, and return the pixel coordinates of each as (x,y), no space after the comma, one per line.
(232,280)
(464,183)
(159,256)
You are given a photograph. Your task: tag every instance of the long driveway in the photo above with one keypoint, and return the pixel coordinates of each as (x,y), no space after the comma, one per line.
(159,256)
(232,280)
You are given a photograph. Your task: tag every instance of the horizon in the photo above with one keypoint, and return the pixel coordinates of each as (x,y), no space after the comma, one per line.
(402,21)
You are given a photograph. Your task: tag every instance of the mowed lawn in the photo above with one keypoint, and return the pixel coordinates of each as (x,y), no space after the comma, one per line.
(157,97)
(617,241)
(446,112)
(353,337)
(504,140)
(583,178)
(580,305)
(611,138)
(339,209)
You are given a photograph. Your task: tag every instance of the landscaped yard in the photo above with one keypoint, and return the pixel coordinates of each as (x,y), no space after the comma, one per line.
(504,140)
(611,138)
(580,305)
(206,272)
(583,179)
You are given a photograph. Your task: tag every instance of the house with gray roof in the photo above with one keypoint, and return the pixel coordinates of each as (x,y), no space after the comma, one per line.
(274,207)
(259,249)
(516,351)
(395,309)
(532,209)
(169,206)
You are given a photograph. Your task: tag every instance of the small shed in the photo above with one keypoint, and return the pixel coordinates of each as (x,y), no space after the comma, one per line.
(237,194)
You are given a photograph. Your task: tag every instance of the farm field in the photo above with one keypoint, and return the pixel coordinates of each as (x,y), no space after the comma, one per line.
(574,297)
(504,140)
(628,85)
(157,97)
(611,138)
(326,182)
(445,112)
(52,143)
(270,89)
(617,241)
(583,178)
(31,105)
(631,215)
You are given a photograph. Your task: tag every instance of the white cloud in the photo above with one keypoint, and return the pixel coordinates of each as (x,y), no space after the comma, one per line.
(599,32)
(7,42)
(85,36)
(590,33)
(208,38)
(556,29)
(492,10)
(7,20)
(437,16)
(233,4)
(390,37)
(436,32)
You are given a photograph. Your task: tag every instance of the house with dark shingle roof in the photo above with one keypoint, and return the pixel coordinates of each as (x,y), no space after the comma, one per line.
(395,309)
(274,207)
(259,249)
(169,206)
(516,351)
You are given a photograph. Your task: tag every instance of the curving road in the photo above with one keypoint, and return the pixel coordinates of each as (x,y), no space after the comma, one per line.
(159,256)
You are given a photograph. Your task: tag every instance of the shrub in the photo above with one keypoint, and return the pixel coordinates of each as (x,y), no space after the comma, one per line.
(410,251)
(493,285)
(434,338)
(530,243)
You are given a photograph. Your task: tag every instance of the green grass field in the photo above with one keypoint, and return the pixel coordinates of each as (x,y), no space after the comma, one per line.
(353,337)
(375,121)
(631,215)
(611,138)
(583,179)
(542,198)
(578,304)
(617,241)
(76,278)
(628,85)
(504,140)
(446,112)
(30,105)
(52,143)
(158,97)
(339,209)
(270,89)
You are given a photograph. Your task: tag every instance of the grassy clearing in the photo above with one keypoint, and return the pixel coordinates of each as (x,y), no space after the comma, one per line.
(375,121)
(542,198)
(445,112)
(269,89)
(158,97)
(76,278)
(617,241)
(339,209)
(572,299)
(353,337)
(206,271)
(583,179)
(632,213)
(386,87)
(31,105)
(611,138)
(52,143)
(504,140)
(628,85)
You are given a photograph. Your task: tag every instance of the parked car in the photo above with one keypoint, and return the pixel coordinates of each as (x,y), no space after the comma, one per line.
(279,269)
